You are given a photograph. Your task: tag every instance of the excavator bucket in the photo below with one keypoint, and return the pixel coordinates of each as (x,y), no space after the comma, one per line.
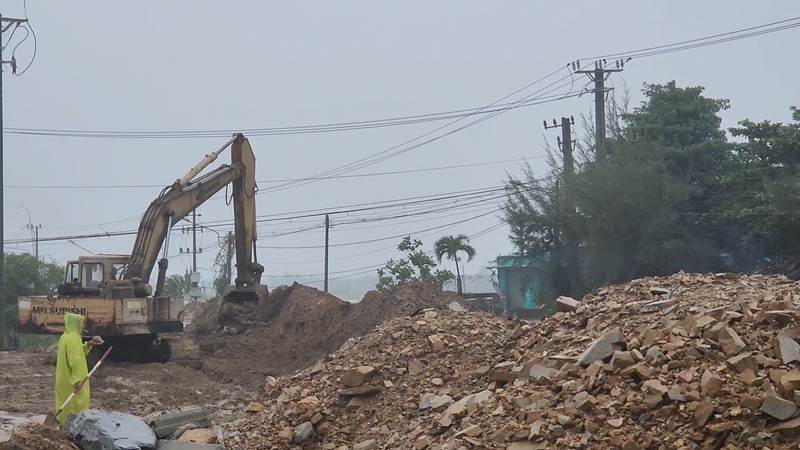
(248,294)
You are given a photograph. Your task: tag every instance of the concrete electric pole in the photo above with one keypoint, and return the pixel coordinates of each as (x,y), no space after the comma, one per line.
(5,23)
(599,75)
(565,142)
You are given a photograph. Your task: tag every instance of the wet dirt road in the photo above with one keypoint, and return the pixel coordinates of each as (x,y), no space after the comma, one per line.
(26,388)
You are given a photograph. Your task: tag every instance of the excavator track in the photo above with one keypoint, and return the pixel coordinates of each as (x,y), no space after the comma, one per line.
(142,349)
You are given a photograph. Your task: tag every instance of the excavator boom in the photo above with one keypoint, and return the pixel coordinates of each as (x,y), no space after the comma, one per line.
(187,194)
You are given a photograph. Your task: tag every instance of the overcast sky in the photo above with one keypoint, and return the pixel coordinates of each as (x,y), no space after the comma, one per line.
(201,65)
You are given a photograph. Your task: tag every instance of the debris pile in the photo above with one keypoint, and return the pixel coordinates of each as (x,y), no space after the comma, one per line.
(684,362)
(34,436)
(297,326)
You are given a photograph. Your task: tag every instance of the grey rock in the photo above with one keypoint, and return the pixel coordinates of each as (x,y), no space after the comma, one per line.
(787,348)
(97,430)
(777,407)
(178,445)
(455,306)
(653,352)
(168,423)
(601,349)
(538,371)
(366,445)
(303,432)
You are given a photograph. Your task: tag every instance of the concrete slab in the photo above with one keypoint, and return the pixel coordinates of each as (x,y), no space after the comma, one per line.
(178,445)
(166,424)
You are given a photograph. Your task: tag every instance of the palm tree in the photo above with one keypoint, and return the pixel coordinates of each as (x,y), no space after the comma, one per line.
(449,246)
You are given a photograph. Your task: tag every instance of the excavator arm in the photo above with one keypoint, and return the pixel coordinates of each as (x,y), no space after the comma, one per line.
(184,196)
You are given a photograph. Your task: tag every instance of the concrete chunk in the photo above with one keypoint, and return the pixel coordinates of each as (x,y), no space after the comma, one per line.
(566,304)
(96,430)
(601,349)
(787,349)
(166,424)
(178,445)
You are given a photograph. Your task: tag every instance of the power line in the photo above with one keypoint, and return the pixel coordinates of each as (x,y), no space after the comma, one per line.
(307,129)
(703,41)
(397,150)
(372,241)
(690,44)
(370,206)
(368,269)
(288,180)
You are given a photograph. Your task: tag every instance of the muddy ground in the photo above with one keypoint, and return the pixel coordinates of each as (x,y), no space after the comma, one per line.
(26,388)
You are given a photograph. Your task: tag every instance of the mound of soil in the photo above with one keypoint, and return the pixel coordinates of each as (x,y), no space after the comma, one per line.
(295,331)
(403,300)
(296,327)
(37,437)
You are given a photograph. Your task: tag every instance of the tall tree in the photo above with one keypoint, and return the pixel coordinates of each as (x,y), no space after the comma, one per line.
(648,210)
(415,266)
(177,285)
(449,247)
(223,267)
(760,210)
(27,275)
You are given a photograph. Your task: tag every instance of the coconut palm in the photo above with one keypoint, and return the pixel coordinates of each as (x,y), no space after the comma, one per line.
(449,246)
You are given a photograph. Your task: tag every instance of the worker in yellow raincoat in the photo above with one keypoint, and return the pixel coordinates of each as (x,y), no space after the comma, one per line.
(71,367)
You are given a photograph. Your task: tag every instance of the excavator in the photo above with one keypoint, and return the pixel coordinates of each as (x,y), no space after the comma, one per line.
(112,292)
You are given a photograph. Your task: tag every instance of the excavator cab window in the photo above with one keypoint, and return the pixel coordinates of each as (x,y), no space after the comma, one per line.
(71,275)
(92,275)
(116,271)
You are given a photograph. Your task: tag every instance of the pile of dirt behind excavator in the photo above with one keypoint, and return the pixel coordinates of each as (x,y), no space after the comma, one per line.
(296,326)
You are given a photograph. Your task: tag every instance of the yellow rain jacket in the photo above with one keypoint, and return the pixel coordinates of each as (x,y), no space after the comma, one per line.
(71,367)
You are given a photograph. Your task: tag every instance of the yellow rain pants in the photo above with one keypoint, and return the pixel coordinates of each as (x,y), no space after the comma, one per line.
(71,367)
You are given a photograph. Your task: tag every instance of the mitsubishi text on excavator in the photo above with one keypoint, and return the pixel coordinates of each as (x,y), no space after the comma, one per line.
(112,292)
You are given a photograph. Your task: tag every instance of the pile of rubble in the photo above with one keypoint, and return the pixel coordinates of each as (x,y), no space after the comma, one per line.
(684,362)
(35,436)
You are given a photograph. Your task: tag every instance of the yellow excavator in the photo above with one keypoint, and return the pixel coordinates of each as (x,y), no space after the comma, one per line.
(112,292)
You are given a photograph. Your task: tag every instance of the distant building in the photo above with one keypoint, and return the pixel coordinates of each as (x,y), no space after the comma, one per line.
(518,278)
(518,282)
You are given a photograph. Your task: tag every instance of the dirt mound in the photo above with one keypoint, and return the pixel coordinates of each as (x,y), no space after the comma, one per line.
(688,361)
(37,437)
(238,348)
(401,301)
(297,326)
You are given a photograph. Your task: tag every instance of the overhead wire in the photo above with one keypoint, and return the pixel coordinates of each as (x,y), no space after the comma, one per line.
(638,53)
(369,269)
(397,150)
(344,210)
(372,241)
(698,42)
(360,175)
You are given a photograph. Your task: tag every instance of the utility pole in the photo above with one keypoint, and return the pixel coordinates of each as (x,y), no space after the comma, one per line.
(565,142)
(194,241)
(599,75)
(327,242)
(5,23)
(35,231)
(229,262)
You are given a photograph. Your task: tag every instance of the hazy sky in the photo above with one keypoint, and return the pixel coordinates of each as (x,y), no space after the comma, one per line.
(200,65)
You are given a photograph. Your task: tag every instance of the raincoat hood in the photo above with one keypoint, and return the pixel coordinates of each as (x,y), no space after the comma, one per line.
(73,323)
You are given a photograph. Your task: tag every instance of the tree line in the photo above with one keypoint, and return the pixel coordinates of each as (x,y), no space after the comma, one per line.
(675,192)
